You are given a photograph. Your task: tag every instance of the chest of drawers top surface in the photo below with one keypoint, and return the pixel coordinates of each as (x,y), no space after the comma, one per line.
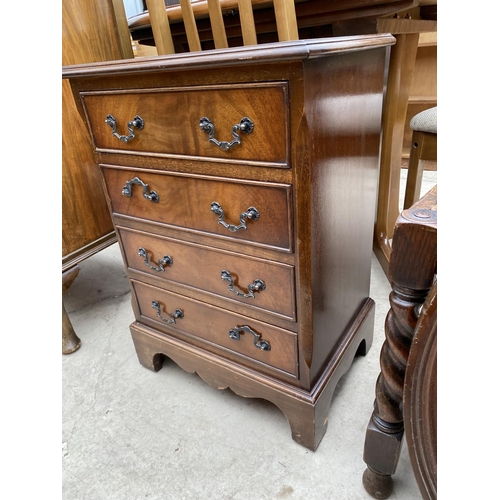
(271,53)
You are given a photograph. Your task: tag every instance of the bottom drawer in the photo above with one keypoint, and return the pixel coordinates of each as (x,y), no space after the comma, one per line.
(227,331)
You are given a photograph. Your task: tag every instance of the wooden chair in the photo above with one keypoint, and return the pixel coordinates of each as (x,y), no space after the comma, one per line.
(406,387)
(314,18)
(160,23)
(423,148)
(404,73)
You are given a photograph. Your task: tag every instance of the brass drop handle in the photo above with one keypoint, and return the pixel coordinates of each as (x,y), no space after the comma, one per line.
(151,196)
(167,260)
(251,214)
(235,332)
(257,285)
(177,314)
(245,126)
(137,122)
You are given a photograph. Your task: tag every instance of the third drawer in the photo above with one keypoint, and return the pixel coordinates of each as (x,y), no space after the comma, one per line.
(257,283)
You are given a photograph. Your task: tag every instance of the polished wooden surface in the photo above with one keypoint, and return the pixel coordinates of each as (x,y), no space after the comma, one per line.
(85,215)
(420,399)
(171,127)
(317,217)
(277,297)
(185,202)
(412,271)
(412,85)
(91,31)
(209,326)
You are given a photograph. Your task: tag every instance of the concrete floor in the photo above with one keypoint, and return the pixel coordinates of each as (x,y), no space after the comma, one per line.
(129,433)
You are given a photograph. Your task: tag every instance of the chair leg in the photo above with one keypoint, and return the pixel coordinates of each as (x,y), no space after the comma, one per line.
(415,170)
(424,147)
(70,340)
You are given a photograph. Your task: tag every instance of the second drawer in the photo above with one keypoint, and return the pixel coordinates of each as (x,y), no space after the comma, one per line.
(258,213)
(258,283)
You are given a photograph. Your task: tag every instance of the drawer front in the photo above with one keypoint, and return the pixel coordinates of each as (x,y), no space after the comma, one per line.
(256,212)
(171,121)
(226,331)
(254,282)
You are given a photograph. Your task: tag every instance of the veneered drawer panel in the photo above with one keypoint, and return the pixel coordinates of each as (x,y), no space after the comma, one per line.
(171,120)
(186,202)
(257,283)
(214,325)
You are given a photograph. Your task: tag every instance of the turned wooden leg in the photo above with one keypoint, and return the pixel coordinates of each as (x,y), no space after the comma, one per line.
(70,340)
(412,270)
(384,433)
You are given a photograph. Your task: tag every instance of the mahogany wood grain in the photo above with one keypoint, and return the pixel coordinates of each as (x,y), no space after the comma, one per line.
(317,217)
(340,232)
(277,297)
(85,214)
(307,412)
(185,201)
(252,58)
(172,120)
(212,325)
(91,31)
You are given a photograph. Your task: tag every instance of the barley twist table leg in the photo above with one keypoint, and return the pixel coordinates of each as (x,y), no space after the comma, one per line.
(411,271)
(385,429)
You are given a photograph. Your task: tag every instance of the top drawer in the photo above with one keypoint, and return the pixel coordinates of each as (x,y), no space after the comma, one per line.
(167,121)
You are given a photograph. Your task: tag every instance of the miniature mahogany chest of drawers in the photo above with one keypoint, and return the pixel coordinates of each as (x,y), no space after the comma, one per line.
(242,185)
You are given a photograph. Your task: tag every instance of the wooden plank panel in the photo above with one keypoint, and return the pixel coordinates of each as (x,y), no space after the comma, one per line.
(123,33)
(247,22)
(286,20)
(160,26)
(218,29)
(190,25)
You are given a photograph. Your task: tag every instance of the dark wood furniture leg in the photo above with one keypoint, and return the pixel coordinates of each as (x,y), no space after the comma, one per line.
(70,340)
(420,399)
(412,269)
